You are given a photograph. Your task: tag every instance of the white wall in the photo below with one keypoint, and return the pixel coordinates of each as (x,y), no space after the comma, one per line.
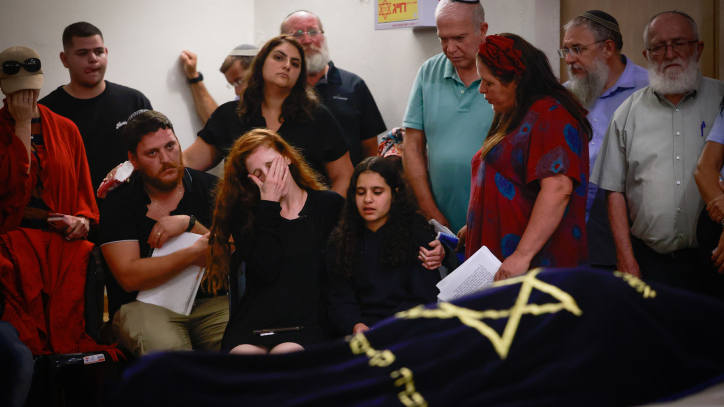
(145,38)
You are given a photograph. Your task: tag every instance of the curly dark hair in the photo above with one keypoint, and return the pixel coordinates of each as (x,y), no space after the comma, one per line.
(398,240)
(301,103)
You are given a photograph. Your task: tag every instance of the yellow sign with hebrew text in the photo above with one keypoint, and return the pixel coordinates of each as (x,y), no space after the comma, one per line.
(396,10)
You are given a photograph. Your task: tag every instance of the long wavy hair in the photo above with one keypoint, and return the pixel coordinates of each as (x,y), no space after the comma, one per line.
(399,244)
(237,196)
(537,82)
(301,103)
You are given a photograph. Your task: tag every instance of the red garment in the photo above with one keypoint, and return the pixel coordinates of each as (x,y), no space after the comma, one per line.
(498,53)
(505,185)
(42,274)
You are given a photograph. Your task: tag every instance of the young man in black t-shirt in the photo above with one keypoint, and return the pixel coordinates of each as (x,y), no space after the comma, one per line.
(163,200)
(98,107)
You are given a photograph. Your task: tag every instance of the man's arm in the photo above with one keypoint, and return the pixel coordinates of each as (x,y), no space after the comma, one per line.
(340,171)
(618,218)
(134,273)
(201,155)
(369,147)
(205,104)
(172,226)
(413,159)
(707,179)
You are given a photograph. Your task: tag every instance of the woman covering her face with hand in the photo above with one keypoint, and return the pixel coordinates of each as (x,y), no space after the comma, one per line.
(383,256)
(277,97)
(279,215)
(529,180)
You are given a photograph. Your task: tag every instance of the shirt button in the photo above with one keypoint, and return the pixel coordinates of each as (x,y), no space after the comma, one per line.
(677,157)
(677,110)
(678,209)
(678,182)
(678,133)
(462,91)
(595,120)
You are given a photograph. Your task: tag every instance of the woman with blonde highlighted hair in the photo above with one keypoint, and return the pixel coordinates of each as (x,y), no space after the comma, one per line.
(279,215)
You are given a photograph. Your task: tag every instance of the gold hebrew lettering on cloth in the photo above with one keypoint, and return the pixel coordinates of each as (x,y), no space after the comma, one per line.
(473,318)
(637,284)
(409,396)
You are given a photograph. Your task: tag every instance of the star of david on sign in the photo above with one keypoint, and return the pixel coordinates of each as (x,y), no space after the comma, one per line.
(473,318)
(385,9)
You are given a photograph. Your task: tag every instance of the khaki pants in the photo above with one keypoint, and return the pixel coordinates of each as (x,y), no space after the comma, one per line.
(146,328)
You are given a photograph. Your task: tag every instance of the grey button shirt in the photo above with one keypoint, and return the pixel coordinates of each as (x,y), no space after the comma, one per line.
(650,152)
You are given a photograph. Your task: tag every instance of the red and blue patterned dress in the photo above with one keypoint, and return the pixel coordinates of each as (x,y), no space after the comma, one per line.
(505,185)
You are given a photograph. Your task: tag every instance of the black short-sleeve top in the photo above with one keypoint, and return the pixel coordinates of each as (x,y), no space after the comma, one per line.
(320,140)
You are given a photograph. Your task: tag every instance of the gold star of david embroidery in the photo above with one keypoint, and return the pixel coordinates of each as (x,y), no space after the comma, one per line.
(473,318)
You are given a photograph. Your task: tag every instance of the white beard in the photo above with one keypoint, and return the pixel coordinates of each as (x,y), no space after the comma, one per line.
(317,61)
(588,88)
(673,81)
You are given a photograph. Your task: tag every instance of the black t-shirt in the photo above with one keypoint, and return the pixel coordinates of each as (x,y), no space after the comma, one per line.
(123,217)
(320,140)
(99,120)
(351,103)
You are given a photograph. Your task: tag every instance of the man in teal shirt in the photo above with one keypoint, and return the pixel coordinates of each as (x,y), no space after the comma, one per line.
(447,120)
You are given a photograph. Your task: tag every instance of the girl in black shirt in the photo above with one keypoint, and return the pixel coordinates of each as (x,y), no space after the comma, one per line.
(383,256)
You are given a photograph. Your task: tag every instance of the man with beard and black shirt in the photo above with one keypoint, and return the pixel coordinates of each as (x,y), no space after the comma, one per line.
(601,78)
(344,93)
(98,107)
(649,154)
(162,200)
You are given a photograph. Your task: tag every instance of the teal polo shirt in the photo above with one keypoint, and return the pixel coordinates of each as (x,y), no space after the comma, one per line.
(456,120)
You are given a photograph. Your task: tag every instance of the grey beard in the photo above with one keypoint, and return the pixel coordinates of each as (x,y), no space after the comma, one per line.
(317,61)
(673,83)
(589,88)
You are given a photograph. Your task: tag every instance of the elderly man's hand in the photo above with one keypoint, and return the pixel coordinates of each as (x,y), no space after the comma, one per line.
(78,228)
(189,60)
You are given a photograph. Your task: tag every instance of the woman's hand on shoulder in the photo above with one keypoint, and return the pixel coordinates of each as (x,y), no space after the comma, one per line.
(275,184)
(432,259)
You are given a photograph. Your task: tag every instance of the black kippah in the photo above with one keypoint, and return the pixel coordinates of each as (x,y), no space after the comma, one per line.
(467,1)
(602,18)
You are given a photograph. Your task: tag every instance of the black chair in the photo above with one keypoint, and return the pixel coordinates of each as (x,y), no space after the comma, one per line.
(77,379)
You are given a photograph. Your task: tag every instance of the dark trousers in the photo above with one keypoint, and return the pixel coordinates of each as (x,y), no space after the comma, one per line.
(16,371)
(686,269)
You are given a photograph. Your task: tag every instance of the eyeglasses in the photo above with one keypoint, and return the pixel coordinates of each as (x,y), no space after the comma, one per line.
(311,33)
(235,84)
(13,67)
(575,51)
(677,46)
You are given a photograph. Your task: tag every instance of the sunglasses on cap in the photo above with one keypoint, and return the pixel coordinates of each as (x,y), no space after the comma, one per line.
(12,67)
